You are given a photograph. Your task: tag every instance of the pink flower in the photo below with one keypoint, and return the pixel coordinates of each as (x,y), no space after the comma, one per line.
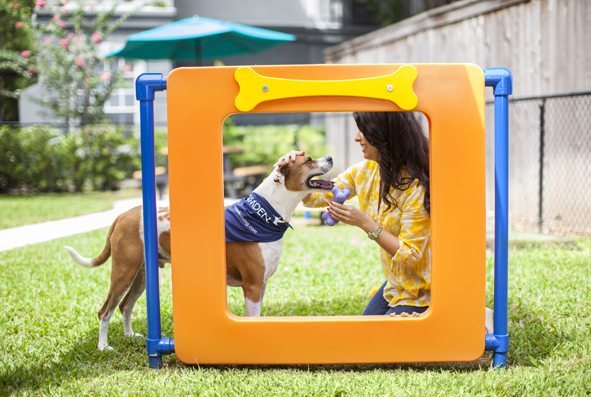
(19,24)
(106,76)
(47,41)
(40,3)
(25,53)
(79,62)
(32,71)
(96,37)
(61,24)
(55,18)
(64,43)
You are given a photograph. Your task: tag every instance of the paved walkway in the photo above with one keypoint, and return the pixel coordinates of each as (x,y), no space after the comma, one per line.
(46,231)
(40,232)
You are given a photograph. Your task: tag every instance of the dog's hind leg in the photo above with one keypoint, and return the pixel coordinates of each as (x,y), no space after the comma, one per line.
(128,302)
(103,343)
(121,281)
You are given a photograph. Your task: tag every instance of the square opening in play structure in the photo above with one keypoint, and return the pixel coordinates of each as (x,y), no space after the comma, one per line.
(323,271)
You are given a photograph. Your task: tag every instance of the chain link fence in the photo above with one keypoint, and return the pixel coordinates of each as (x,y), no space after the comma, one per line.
(549,161)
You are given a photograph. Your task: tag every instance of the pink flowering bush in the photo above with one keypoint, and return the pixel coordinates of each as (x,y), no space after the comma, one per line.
(72,67)
(96,37)
(17,55)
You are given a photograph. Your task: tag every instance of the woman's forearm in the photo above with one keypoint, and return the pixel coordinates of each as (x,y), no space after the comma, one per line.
(386,240)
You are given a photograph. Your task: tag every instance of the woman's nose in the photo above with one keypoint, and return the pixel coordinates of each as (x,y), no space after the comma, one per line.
(357,137)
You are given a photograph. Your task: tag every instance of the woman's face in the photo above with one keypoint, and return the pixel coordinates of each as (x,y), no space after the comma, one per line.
(369,152)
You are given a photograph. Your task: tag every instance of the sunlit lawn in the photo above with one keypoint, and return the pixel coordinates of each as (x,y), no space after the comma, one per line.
(49,327)
(23,210)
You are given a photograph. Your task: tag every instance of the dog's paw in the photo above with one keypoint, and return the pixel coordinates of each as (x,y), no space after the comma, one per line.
(106,349)
(134,335)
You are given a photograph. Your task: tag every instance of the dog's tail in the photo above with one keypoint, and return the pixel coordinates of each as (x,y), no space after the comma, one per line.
(100,259)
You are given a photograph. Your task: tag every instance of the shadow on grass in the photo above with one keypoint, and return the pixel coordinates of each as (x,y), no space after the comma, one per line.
(532,340)
(83,360)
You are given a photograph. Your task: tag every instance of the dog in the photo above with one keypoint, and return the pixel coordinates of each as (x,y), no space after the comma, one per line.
(254,227)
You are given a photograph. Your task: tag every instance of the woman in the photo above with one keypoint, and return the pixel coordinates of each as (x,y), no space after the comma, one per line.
(392,186)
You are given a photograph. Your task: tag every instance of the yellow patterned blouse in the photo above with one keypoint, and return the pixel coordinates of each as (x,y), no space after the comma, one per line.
(408,272)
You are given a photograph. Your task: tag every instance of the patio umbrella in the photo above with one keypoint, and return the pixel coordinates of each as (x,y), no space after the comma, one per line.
(198,38)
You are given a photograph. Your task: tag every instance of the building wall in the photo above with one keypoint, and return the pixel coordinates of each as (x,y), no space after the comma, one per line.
(545,43)
(324,14)
(316,24)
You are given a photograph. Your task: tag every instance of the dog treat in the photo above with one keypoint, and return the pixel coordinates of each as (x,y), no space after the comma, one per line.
(340,195)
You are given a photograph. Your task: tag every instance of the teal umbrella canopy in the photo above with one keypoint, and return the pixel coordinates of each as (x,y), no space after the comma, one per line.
(198,38)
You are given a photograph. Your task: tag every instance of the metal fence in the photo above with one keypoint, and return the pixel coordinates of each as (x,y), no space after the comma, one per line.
(550,161)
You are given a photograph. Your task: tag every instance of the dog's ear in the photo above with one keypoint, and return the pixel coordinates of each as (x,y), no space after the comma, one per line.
(281,173)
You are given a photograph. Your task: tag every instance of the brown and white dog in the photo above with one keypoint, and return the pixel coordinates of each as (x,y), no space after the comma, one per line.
(249,264)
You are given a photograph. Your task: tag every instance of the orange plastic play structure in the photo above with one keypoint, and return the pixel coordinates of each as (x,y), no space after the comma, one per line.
(205,332)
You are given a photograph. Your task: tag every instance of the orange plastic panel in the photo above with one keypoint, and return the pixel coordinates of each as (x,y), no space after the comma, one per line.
(452,97)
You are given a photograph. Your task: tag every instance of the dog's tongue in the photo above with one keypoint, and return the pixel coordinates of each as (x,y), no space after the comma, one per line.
(321,184)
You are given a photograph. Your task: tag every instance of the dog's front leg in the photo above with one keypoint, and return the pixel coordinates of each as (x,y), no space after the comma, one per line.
(253,299)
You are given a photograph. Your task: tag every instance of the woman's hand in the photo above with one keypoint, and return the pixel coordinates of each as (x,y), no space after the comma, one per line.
(352,216)
(285,159)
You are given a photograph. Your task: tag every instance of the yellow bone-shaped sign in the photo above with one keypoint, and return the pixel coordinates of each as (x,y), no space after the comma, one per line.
(395,87)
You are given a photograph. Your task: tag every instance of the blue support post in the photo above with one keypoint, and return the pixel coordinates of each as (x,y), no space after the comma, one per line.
(501,81)
(145,86)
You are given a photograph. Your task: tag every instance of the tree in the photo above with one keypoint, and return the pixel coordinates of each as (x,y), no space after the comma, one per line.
(17,66)
(387,12)
(73,72)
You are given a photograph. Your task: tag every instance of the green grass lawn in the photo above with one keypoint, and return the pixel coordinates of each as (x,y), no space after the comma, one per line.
(23,210)
(49,327)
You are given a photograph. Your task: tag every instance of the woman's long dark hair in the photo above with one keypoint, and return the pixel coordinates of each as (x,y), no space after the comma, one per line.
(401,144)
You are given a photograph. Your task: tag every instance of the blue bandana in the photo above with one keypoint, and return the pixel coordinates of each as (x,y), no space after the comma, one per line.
(253,219)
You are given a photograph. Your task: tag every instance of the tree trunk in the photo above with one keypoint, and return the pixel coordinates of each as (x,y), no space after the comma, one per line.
(9,109)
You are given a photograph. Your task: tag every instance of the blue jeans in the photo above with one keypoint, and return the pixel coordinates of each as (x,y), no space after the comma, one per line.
(379,306)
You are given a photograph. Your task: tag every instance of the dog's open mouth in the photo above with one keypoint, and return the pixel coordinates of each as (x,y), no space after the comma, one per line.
(319,183)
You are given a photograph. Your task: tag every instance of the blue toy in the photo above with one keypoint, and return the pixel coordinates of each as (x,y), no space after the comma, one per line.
(340,195)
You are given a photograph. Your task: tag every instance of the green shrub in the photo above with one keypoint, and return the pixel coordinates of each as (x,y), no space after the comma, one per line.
(42,159)
(160,143)
(100,155)
(265,144)
(31,159)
